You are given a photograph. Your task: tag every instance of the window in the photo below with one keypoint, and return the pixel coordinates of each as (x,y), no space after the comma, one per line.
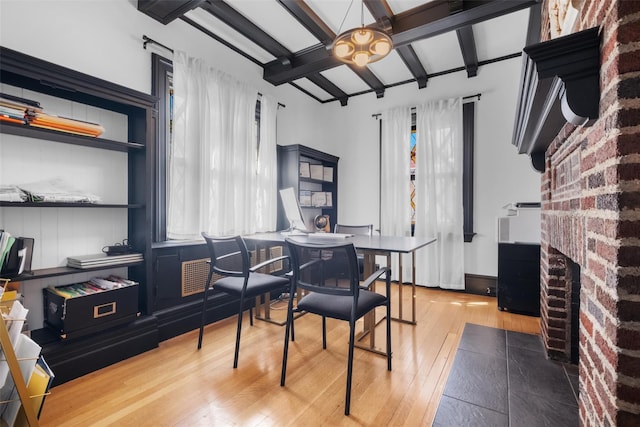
(412,170)
(162,87)
(468,129)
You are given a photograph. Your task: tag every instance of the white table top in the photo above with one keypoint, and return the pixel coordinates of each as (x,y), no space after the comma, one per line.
(400,244)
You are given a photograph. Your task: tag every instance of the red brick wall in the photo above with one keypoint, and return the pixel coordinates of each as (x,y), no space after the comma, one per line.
(591,214)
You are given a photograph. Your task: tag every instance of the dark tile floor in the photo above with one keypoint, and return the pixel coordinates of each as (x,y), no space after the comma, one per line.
(502,378)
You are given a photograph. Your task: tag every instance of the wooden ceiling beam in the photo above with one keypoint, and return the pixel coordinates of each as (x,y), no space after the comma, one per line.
(468,49)
(382,13)
(326,85)
(411,60)
(310,20)
(316,26)
(165,11)
(244,26)
(428,20)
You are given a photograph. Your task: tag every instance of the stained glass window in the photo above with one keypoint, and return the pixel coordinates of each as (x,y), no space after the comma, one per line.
(412,168)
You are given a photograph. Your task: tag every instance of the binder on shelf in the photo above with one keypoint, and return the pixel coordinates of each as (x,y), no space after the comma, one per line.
(319,199)
(327,174)
(317,172)
(305,198)
(304,170)
(16,256)
(329,199)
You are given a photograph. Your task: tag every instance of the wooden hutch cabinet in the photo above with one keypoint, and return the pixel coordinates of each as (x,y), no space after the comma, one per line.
(314,177)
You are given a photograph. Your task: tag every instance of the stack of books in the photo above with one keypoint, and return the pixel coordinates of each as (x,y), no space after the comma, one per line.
(14,109)
(102,260)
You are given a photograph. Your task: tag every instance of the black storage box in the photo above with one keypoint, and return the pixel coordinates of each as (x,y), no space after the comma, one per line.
(78,316)
(519,278)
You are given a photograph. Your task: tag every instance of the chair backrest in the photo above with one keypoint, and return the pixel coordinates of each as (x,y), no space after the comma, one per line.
(328,268)
(229,255)
(364,230)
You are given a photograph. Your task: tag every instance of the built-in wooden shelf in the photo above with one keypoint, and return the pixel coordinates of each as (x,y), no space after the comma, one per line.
(70,205)
(68,138)
(64,271)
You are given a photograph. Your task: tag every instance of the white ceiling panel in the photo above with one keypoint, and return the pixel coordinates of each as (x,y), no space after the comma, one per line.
(391,69)
(269,16)
(337,12)
(313,89)
(345,79)
(501,36)
(439,53)
(227,33)
(399,6)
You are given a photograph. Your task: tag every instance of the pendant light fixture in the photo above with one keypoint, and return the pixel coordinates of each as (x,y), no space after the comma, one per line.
(362,45)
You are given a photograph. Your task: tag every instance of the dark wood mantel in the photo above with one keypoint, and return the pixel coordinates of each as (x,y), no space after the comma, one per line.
(559,84)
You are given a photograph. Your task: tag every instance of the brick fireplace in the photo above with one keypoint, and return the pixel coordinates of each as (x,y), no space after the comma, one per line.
(591,227)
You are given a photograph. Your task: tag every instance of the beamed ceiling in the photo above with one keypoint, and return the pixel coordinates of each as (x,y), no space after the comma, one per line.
(291,39)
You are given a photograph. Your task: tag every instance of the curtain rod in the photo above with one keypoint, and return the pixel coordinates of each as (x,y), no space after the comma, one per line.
(148,40)
(477,95)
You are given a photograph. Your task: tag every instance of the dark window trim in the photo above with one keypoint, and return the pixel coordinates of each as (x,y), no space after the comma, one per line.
(161,74)
(468,139)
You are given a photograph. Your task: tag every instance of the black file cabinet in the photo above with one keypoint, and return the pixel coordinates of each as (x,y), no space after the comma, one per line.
(519,278)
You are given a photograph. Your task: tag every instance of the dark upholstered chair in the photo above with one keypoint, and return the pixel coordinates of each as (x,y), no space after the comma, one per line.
(364,230)
(230,262)
(333,294)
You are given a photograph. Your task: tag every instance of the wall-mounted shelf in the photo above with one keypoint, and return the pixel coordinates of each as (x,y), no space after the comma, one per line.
(63,271)
(68,138)
(69,205)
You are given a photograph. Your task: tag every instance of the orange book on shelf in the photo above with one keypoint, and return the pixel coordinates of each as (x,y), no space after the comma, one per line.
(66,129)
(4,118)
(66,125)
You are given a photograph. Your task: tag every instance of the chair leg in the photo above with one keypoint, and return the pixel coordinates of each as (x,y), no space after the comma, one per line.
(285,353)
(203,316)
(388,335)
(238,333)
(293,333)
(347,399)
(324,332)
(251,316)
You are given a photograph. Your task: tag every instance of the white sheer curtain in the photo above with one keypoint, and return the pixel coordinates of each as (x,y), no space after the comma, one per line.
(395,196)
(439,209)
(213,166)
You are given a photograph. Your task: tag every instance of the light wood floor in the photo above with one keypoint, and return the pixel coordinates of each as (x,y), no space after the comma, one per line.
(176,385)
